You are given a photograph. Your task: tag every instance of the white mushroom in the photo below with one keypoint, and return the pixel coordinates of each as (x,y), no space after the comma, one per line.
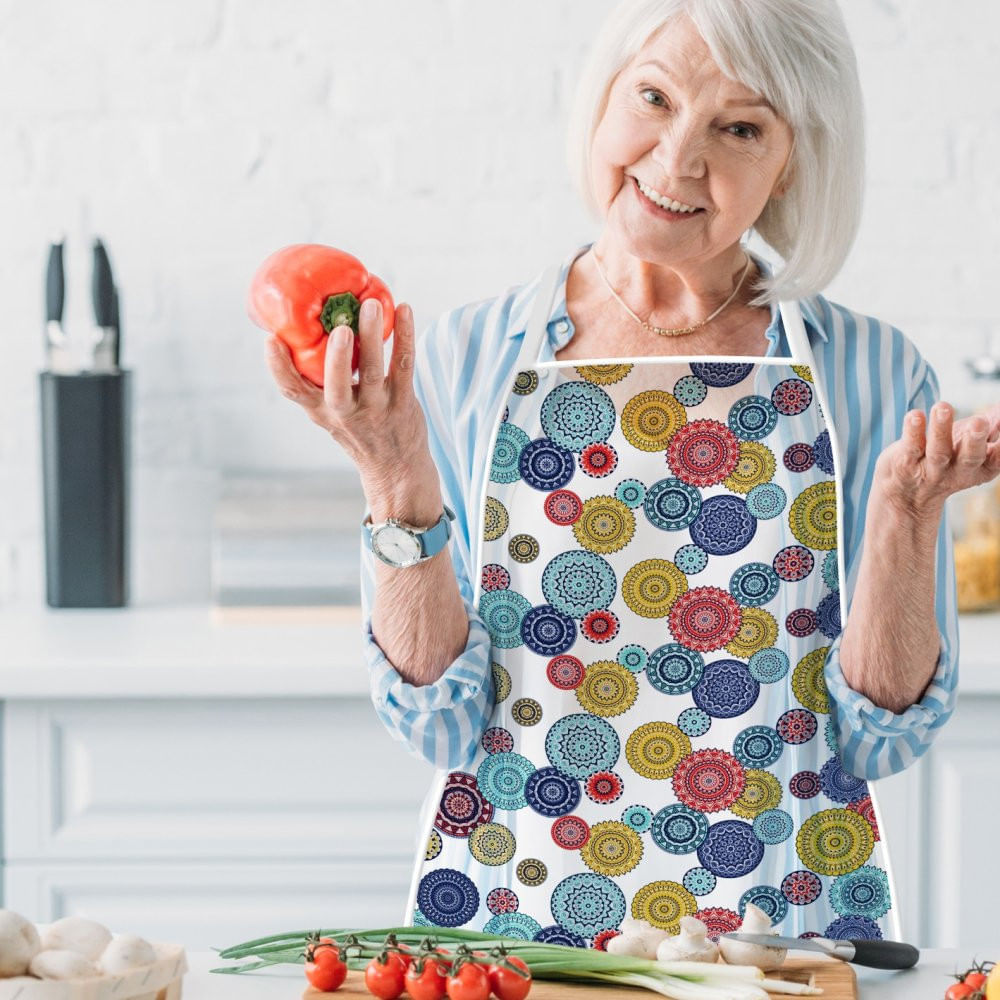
(57,963)
(86,937)
(126,951)
(19,943)
(638,937)
(755,921)
(691,945)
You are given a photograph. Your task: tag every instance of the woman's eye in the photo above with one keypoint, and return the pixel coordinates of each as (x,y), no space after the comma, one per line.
(750,131)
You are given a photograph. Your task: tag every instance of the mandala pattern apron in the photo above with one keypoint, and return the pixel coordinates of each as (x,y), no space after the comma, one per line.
(658,571)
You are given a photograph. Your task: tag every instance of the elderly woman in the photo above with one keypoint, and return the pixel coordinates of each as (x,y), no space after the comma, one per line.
(672,473)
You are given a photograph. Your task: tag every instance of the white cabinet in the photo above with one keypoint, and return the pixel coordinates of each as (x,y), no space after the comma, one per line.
(210,783)
(208,821)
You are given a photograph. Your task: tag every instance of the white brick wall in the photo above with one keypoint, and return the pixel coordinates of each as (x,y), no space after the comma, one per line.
(427,138)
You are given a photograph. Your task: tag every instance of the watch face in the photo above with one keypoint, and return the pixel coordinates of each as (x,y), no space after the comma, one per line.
(396,546)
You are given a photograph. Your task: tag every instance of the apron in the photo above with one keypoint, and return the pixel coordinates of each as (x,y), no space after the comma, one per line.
(659,573)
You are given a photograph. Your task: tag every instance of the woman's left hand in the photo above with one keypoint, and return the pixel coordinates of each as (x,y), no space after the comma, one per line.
(926,465)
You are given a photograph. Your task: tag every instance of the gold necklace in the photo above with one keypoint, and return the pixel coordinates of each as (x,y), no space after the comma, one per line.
(662,331)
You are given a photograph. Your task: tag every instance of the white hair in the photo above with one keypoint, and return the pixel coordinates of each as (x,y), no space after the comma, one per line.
(797,54)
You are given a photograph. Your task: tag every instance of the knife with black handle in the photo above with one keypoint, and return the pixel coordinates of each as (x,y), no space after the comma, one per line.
(876,954)
(103,292)
(57,356)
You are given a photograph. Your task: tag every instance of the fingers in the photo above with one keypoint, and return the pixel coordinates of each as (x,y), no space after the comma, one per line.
(292,385)
(939,452)
(972,447)
(913,438)
(371,362)
(338,392)
(401,361)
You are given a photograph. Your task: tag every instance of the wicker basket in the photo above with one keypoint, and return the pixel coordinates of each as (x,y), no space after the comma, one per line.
(159,981)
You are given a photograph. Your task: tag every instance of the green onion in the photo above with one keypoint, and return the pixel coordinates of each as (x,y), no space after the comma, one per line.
(678,980)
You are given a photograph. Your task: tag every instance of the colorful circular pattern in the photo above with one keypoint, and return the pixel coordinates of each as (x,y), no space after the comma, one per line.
(705,618)
(613,848)
(496,739)
(562,507)
(677,829)
(640,818)
(526,712)
(674,669)
(655,749)
(723,525)
(838,784)
(761,794)
(515,925)
(694,722)
(709,780)
(581,744)
(587,902)
(834,841)
(730,849)
(604,787)
(754,583)
(726,689)
(863,892)
(699,881)
(502,777)
(532,871)
(462,807)
(773,826)
(651,587)
(570,832)
(703,453)
(551,793)
(447,897)
(492,844)
(801,887)
(650,419)
(502,900)
(797,725)
(576,581)
(671,504)
(767,898)
(605,525)
(757,746)
(663,903)
(565,671)
(608,689)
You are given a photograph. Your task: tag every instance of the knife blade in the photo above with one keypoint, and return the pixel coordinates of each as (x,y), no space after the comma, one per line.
(103,291)
(874,954)
(58,358)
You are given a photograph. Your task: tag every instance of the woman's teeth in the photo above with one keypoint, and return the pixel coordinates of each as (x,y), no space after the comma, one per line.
(673,206)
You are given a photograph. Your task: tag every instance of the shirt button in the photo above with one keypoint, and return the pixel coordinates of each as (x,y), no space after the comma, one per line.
(562,326)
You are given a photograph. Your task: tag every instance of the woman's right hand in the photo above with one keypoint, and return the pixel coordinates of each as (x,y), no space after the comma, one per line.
(377,420)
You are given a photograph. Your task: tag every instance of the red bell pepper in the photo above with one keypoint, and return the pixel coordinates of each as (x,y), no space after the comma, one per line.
(303,291)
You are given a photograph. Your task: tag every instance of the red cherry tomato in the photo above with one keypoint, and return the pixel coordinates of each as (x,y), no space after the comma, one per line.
(505,983)
(431,984)
(385,979)
(959,991)
(326,972)
(977,980)
(470,982)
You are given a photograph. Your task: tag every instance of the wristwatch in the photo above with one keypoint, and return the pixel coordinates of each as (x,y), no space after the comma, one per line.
(399,544)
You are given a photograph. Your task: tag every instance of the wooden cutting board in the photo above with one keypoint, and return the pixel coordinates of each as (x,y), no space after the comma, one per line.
(835,978)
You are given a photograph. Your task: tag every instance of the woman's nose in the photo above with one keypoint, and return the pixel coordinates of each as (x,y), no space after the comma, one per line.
(681,149)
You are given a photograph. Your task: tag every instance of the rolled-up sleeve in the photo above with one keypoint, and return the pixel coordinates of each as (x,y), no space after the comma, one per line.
(440,722)
(876,742)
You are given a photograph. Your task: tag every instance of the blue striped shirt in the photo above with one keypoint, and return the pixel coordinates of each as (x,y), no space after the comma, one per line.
(873,374)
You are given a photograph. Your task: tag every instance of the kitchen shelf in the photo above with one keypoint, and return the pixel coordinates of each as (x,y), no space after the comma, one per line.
(192,651)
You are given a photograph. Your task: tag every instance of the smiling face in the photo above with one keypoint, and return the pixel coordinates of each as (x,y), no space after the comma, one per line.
(674,130)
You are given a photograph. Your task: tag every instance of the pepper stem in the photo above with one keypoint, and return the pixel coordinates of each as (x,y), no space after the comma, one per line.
(340,310)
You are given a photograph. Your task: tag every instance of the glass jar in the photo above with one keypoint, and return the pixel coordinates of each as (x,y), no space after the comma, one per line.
(974,514)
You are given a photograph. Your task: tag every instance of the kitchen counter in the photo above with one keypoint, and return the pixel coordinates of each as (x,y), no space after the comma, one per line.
(927,981)
(186,651)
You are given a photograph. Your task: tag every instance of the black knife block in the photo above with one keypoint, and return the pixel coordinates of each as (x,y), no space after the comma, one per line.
(85,420)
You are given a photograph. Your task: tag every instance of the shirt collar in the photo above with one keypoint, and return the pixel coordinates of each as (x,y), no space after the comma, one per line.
(559,317)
